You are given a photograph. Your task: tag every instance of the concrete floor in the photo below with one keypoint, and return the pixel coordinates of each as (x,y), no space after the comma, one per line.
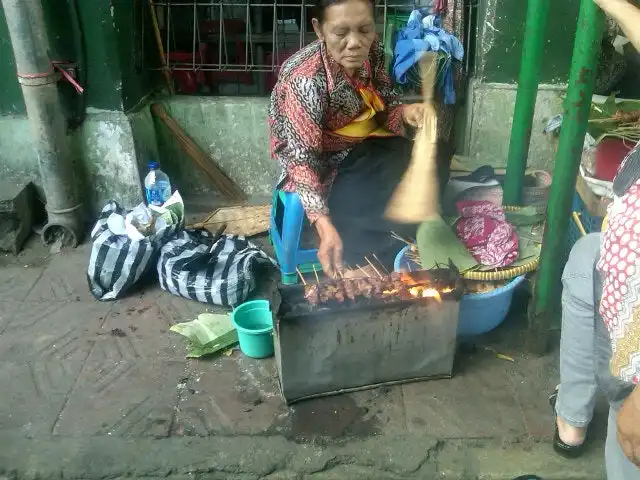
(93,390)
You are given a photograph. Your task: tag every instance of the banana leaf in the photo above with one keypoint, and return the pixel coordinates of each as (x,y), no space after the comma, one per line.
(208,334)
(437,245)
(598,126)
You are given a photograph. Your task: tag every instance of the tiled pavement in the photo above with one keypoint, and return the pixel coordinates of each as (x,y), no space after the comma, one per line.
(84,384)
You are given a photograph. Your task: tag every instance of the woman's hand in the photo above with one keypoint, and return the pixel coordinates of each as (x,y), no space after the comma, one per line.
(413,114)
(627,16)
(330,251)
(629,427)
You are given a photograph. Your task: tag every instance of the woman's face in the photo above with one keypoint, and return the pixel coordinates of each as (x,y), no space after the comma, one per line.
(348,30)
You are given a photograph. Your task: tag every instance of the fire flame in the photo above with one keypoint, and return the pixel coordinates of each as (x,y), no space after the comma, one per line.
(425,292)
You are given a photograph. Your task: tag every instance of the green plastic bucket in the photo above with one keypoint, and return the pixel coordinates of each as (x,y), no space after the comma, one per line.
(254,324)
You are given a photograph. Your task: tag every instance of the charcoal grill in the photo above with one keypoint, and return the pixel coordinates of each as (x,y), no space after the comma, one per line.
(337,347)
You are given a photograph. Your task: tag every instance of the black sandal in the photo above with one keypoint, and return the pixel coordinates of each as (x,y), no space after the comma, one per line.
(564,449)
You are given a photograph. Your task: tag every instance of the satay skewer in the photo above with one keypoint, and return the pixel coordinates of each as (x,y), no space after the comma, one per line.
(373,266)
(301,277)
(315,273)
(381,264)
(363,271)
(398,237)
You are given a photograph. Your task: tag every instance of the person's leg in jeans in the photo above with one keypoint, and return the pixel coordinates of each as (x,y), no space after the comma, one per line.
(577,390)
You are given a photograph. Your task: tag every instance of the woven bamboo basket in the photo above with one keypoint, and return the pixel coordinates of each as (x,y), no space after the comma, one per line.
(505,273)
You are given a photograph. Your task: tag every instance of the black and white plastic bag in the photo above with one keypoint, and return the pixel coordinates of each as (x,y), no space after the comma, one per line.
(117,262)
(214,270)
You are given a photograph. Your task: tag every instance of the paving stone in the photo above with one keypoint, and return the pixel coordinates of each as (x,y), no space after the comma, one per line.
(148,292)
(176,309)
(230,395)
(533,382)
(16,282)
(7,311)
(64,278)
(101,457)
(384,409)
(334,417)
(484,460)
(183,310)
(52,330)
(352,472)
(33,394)
(119,395)
(140,327)
(34,254)
(478,402)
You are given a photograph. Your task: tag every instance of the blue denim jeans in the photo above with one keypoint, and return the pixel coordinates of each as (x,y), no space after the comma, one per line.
(585,353)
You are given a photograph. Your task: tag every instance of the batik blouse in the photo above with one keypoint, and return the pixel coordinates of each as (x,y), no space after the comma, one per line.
(311,106)
(620,267)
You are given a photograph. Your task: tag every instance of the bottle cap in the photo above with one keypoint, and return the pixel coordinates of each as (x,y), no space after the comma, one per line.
(153,165)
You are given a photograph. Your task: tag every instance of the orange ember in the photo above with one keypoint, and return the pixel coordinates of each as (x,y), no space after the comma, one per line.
(425,292)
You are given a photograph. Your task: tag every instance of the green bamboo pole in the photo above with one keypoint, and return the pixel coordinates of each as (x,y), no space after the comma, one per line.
(530,64)
(574,127)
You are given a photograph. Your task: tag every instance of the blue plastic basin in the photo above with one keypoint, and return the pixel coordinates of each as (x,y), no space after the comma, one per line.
(479,312)
(254,323)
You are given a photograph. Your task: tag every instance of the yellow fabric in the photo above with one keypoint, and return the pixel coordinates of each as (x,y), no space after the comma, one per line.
(365,124)
(605,223)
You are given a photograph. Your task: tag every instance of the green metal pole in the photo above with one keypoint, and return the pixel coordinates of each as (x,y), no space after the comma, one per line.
(530,64)
(574,127)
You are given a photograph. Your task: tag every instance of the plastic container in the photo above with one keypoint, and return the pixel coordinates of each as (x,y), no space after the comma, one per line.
(254,323)
(157,187)
(479,312)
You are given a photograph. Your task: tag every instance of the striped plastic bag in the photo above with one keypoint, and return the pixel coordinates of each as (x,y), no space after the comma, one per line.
(117,262)
(218,270)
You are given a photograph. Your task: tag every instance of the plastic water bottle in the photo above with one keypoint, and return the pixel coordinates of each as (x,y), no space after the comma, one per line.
(157,186)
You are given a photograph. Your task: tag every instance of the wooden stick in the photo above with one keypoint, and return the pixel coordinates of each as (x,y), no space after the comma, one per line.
(363,271)
(576,218)
(315,273)
(381,264)
(372,266)
(163,57)
(203,161)
(218,234)
(398,237)
(301,277)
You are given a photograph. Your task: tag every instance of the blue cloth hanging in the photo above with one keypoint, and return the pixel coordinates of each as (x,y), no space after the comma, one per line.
(425,34)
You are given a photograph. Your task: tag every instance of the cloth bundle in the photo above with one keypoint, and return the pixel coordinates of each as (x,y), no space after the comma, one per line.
(483,229)
(425,34)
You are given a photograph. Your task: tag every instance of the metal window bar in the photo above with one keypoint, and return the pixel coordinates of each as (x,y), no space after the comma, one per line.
(256,44)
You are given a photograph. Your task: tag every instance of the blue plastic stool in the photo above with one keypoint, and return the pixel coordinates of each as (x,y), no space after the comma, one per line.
(286,240)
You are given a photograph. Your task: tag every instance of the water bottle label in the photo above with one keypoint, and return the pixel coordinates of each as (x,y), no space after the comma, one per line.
(157,195)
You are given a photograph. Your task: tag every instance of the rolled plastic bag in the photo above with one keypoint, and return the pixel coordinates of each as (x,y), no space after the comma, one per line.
(218,270)
(121,256)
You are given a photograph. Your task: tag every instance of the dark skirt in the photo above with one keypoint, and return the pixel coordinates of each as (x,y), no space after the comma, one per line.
(364,185)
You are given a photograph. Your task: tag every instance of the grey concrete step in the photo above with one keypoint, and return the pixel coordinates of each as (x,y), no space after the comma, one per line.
(16,214)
